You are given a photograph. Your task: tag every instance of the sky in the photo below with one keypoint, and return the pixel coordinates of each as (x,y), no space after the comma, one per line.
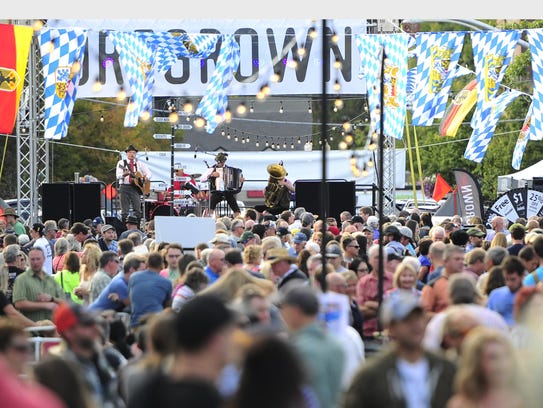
(250,9)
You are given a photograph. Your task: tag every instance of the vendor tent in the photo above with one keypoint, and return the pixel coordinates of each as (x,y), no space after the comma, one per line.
(523,178)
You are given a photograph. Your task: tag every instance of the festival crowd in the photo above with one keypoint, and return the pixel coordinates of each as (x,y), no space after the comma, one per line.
(96,317)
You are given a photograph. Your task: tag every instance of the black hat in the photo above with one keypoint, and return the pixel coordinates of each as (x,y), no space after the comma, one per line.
(131,147)
(131,219)
(221,157)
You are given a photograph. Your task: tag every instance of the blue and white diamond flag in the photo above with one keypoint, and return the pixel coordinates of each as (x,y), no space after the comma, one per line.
(213,105)
(137,59)
(535,38)
(62,53)
(394,80)
(482,134)
(492,54)
(437,59)
(525,134)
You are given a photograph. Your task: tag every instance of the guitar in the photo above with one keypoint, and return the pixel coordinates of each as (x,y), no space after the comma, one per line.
(142,183)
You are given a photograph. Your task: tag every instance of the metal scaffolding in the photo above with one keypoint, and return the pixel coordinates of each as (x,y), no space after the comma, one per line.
(389,177)
(32,148)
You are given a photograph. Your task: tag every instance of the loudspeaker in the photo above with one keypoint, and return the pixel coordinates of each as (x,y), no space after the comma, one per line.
(73,201)
(537,183)
(85,201)
(341,196)
(56,201)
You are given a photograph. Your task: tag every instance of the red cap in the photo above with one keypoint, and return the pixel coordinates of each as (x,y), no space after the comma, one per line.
(334,230)
(67,316)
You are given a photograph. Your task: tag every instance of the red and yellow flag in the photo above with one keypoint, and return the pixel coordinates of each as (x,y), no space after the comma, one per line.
(14,47)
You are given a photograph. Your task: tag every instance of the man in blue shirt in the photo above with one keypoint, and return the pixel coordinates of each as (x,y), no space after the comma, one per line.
(536,276)
(215,265)
(115,295)
(148,291)
(502,300)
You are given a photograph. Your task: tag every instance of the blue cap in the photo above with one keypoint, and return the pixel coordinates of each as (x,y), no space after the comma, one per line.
(398,306)
(299,237)
(96,221)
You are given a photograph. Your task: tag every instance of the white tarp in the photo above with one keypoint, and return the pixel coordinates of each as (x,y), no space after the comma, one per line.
(299,165)
(520,178)
(261,42)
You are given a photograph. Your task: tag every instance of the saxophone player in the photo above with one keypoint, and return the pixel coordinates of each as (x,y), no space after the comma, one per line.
(277,192)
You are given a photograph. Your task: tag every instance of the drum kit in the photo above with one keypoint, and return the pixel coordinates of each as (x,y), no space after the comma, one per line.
(189,197)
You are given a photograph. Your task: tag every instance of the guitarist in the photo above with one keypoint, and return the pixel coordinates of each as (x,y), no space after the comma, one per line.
(132,176)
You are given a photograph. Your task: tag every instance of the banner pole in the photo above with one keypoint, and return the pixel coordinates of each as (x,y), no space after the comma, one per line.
(419,165)
(411,167)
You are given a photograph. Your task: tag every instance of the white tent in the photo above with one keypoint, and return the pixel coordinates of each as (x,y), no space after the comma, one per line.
(521,178)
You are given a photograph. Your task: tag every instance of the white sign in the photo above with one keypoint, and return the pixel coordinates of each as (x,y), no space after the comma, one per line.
(187,231)
(181,145)
(267,47)
(160,136)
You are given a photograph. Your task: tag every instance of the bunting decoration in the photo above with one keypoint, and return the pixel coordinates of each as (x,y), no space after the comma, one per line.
(535,39)
(213,105)
(492,54)
(438,55)
(138,59)
(15,43)
(62,52)
(525,134)
(395,47)
(481,135)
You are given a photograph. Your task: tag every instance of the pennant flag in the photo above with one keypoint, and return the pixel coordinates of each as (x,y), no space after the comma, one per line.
(15,44)
(469,194)
(492,54)
(460,106)
(137,59)
(525,134)
(441,188)
(213,105)
(535,39)
(438,55)
(394,81)
(481,135)
(62,52)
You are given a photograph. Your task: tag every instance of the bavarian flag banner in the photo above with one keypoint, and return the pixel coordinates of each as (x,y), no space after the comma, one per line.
(437,58)
(15,44)
(62,51)
(492,54)
(394,81)
(535,39)
(525,134)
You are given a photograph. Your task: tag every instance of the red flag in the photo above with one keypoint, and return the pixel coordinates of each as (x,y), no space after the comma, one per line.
(14,47)
(441,188)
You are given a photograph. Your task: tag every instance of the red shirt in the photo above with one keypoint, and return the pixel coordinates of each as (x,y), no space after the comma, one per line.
(367,289)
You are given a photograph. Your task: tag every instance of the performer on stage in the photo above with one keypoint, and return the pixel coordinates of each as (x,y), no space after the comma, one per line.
(277,192)
(219,191)
(134,181)
(183,181)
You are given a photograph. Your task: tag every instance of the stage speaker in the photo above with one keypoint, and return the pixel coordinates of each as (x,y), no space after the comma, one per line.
(85,201)
(73,201)
(56,201)
(537,183)
(340,194)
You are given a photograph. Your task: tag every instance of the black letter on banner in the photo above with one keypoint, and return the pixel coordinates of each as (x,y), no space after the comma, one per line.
(255,62)
(347,61)
(103,55)
(213,56)
(279,66)
(186,66)
(85,66)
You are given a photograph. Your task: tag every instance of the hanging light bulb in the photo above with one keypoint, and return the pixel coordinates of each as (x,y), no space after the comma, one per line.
(37,25)
(227,115)
(228,135)
(292,145)
(235,136)
(346,126)
(199,122)
(352,160)
(187,107)
(257,143)
(370,162)
(241,109)
(337,64)
(335,37)
(121,95)
(335,108)
(342,145)
(247,139)
(338,103)
(309,109)
(76,67)
(349,138)
(267,143)
(284,145)
(299,140)
(281,109)
(273,146)
(97,86)
(266,89)
(173,117)
(337,86)
(223,132)
(372,146)
(301,51)
(252,108)
(292,64)
(242,140)
(101,117)
(145,116)
(365,171)
(275,77)
(312,33)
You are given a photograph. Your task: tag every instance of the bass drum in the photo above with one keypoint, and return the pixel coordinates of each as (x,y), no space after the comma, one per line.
(163,209)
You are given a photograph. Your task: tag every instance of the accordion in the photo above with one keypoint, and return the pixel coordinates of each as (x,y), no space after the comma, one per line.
(231,179)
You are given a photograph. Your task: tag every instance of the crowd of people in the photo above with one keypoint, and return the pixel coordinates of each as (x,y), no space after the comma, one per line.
(284,310)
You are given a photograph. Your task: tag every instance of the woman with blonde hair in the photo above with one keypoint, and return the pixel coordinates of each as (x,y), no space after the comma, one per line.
(90,262)
(252,257)
(404,279)
(500,239)
(487,373)
(227,286)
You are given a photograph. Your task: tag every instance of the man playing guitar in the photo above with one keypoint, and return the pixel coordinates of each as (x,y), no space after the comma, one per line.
(134,181)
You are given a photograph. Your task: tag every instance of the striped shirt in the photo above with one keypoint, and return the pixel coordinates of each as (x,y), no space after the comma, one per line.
(29,285)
